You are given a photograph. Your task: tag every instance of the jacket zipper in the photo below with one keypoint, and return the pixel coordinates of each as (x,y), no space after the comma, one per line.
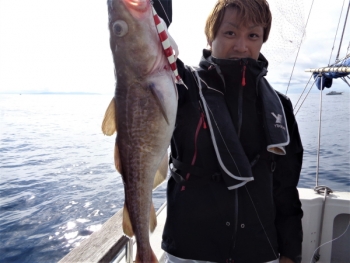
(243,75)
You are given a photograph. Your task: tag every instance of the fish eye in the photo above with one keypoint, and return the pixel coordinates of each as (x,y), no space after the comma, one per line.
(120,28)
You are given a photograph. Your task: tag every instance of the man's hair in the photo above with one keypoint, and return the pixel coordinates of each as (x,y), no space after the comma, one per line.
(256,12)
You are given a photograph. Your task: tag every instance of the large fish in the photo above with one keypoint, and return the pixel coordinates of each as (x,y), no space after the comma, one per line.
(142,111)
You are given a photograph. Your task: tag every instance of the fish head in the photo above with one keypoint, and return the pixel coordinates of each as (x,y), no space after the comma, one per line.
(134,40)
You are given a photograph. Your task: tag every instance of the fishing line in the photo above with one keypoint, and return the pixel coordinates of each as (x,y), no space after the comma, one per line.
(151,1)
(223,140)
(313,256)
(295,61)
(209,122)
(199,78)
(257,214)
(251,200)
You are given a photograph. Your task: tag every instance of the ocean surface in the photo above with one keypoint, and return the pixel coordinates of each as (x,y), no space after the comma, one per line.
(58,183)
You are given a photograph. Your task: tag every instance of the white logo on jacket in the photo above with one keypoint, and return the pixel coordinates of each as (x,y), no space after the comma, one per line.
(278,118)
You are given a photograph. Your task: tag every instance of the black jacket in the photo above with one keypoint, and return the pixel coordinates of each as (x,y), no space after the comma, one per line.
(258,219)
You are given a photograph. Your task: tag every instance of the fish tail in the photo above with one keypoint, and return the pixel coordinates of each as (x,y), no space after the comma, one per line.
(139,258)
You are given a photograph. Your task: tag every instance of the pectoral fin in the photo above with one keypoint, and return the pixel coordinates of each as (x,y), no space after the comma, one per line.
(159,100)
(162,171)
(109,124)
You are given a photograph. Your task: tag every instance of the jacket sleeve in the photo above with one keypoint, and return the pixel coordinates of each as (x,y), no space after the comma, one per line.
(286,196)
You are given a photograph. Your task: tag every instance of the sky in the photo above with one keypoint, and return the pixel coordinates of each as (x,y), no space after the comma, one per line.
(63,46)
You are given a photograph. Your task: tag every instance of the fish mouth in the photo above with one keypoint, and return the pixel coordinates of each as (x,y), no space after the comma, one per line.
(137,5)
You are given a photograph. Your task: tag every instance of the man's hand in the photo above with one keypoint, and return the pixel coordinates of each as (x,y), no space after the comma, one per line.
(285,260)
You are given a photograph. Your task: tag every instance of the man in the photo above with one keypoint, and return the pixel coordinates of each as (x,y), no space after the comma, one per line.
(236,152)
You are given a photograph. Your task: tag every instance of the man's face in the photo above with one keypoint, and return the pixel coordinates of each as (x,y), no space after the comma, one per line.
(234,40)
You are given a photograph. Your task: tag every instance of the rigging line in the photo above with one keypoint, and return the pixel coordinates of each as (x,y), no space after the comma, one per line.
(334,239)
(305,98)
(295,61)
(344,79)
(341,39)
(344,58)
(336,33)
(302,93)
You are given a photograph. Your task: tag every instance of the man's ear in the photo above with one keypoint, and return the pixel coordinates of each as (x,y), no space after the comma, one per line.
(209,44)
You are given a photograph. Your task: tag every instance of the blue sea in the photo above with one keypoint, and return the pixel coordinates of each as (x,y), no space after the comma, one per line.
(58,183)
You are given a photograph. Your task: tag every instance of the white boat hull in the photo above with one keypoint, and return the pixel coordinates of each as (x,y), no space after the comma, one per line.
(335,221)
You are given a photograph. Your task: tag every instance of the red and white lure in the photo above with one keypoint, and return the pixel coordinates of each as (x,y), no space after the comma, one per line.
(167,42)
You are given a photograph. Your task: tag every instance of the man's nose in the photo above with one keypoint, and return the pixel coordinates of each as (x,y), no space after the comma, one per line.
(240,45)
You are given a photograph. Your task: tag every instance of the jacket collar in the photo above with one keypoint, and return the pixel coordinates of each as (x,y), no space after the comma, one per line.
(207,60)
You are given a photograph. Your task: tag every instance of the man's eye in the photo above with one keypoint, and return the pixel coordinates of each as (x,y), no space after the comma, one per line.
(254,36)
(229,33)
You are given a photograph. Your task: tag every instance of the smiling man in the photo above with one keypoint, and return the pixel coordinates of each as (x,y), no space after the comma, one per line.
(236,152)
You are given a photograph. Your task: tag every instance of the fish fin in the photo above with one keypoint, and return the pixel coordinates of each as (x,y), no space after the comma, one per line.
(109,124)
(127,227)
(153,258)
(117,162)
(162,171)
(158,96)
(152,218)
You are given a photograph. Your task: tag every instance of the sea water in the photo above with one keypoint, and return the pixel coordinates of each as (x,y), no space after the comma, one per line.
(58,183)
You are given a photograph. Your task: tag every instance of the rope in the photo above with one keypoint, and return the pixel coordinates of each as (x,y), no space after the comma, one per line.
(307,21)
(334,239)
(325,190)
